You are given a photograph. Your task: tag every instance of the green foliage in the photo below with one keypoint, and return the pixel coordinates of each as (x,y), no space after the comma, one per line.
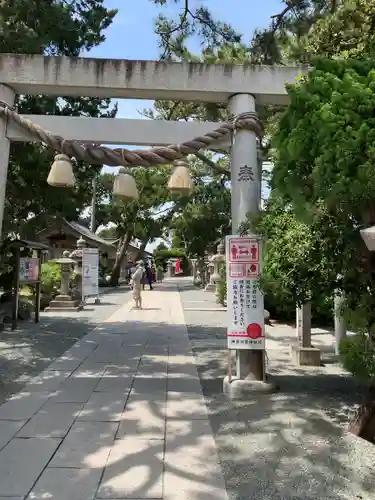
(59,28)
(324,152)
(205,219)
(161,258)
(50,278)
(197,21)
(144,219)
(357,354)
(345,32)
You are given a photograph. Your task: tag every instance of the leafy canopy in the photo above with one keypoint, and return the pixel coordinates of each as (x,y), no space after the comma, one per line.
(324,152)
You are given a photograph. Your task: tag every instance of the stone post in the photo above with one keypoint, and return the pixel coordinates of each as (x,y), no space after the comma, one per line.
(245,180)
(194,270)
(340,327)
(6,97)
(303,353)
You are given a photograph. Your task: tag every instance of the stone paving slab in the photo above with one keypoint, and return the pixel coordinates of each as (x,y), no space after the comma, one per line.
(21,463)
(23,405)
(8,429)
(53,420)
(86,446)
(144,417)
(66,484)
(134,470)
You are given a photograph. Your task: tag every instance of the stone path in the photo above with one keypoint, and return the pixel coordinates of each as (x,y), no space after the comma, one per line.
(120,415)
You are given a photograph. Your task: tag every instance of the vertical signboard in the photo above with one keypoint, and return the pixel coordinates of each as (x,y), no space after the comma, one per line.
(90,272)
(28,270)
(245,299)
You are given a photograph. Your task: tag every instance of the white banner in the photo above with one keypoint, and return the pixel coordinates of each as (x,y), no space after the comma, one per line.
(244,298)
(90,272)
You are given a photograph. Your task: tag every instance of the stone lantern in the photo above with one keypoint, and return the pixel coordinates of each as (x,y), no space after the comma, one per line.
(64,301)
(77,256)
(216,262)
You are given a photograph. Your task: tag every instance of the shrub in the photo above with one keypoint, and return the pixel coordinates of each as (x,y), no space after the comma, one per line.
(357,354)
(51,277)
(162,256)
(222,286)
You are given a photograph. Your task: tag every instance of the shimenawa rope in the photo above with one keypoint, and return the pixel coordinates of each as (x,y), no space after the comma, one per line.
(101,155)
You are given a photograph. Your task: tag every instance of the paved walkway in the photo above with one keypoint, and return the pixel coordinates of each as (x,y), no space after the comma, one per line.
(120,415)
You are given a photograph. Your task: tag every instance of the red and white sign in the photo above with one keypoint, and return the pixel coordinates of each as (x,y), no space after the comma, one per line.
(243,249)
(237,270)
(252,270)
(245,298)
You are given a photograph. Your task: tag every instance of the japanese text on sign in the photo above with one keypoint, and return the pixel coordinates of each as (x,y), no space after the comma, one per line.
(29,270)
(245,299)
(90,272)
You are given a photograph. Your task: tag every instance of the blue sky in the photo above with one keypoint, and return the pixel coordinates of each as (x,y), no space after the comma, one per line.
(131,36)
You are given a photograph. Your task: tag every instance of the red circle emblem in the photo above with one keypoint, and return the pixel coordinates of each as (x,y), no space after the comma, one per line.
(254,331)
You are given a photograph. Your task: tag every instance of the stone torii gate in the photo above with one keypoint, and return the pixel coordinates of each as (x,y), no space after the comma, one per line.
(245,88)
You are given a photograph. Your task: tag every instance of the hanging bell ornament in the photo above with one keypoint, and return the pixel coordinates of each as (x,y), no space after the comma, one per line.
(180,181)
(124,186)
(61,173)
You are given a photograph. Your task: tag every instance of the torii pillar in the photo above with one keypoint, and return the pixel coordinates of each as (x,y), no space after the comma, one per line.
(246,200)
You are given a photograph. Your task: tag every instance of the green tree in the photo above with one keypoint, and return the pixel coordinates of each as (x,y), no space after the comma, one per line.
(324,153)
(198,21)
(323,163)
(205,219)
(144,219)
(61,27)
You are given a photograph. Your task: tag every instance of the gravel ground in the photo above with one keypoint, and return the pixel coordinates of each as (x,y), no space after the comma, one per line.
(289,445)
(30,348)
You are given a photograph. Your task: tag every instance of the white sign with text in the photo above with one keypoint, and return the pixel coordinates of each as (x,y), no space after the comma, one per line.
(244,297)
(90,272)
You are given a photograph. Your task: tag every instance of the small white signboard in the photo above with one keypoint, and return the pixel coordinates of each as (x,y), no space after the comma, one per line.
(245,299)
(90,272)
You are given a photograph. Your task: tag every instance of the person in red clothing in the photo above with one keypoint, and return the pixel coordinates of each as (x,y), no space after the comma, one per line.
(178,266)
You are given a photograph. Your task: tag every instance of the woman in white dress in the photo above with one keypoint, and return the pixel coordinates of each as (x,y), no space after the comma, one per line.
(137,285)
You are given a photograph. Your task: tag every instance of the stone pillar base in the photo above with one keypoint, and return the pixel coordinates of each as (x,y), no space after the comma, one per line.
(242,388)
(305,356)
(64,303)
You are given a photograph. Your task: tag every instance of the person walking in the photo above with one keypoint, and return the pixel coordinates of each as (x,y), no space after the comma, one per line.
(147,277)
(136,285)
(159,274)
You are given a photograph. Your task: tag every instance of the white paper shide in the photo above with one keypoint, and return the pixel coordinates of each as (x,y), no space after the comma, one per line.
(245,299)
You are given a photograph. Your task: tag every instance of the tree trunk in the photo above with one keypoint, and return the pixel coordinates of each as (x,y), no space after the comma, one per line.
(120,256)
(141,250)
(363,422)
